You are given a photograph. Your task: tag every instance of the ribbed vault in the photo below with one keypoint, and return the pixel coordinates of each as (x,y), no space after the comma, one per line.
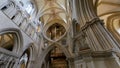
(53,9)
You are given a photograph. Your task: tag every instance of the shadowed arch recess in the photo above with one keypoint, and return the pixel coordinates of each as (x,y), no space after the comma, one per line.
(51,47)
(28,57)
(15,35)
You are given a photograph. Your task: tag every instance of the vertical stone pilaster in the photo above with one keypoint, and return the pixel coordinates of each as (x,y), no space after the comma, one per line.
(97,37)
(71,63)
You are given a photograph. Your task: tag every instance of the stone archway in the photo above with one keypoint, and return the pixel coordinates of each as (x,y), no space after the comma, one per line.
(33,55)
(17,36)
(51,47)
(28,57)
(113,25)
(10,47)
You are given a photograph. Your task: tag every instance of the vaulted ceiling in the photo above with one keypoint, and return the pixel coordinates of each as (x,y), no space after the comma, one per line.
(107,6)
(49,10)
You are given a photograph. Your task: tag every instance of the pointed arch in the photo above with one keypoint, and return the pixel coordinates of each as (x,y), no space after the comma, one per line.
(49,48)
(18,38)
(33,51)
(29,55)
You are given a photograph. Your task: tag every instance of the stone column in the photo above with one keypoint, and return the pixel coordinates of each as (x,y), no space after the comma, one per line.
(98,39)
(70,62)
(31,64)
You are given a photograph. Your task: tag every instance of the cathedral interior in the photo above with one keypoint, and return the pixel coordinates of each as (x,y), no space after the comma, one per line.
(59,33)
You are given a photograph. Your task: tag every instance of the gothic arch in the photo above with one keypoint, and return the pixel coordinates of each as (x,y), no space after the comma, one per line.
(18,38)
(49,48)
(52,22)
(112,25)
(33,55)
(30,53)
